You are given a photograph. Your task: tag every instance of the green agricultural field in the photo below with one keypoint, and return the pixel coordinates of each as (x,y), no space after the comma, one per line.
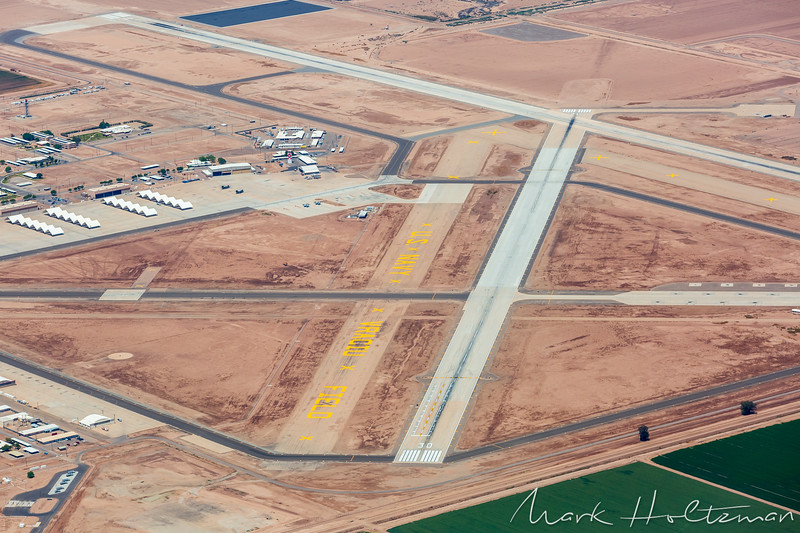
(11,81)
(764,463)
(607,501)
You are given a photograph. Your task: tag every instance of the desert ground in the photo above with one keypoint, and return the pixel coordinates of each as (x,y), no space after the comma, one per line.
(499,152)
(617,356)
(337,371)
(641,246)
(682,21)
(772,138)
(372,105)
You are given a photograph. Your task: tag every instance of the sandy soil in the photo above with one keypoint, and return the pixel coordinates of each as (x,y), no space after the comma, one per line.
(291,380)
(465,246)
(182,353)
(370,249)
(636,72)
(406,192)
(766,214)
(149,486)
(246,251)
(774,138)
(691,21)
(160,55)
(615,358)
(361,102)
(425,156)
(602,241)
(395,384)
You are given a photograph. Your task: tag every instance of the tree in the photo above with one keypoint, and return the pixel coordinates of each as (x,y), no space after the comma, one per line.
(47,132)
(39,175)
(6,447)
(179,169)
(8,169)
(222,161)
(104,125)
(748,408)
(57,146)
(53,192)
(119,180)
(644,433)
(76,139)
(30,474)
(28,136)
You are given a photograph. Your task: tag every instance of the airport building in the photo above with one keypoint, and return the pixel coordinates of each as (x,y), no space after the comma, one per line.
(108,190)
(94,420)
(227,168)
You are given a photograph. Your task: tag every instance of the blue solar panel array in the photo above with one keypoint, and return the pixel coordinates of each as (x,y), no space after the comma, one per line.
(243,15)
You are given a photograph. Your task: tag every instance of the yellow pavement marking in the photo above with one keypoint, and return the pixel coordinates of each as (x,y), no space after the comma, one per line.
(347,367)
(453,177)
(303,437)
(472,142)
(427,224)
(377,309)
(770,199)
(394,281)
(599,157)
(671,175)
(495,132)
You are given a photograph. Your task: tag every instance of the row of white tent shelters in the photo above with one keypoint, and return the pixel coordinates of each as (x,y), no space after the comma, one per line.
(26,222)
(166,200)
(66,216)
(130,206)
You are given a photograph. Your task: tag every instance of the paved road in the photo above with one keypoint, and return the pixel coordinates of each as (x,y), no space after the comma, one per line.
(227,294)
(462,95)
(33,495)
(722,286)
(751,298)
(627,413)
(690,209)
(126,233)
(440,413)
(17,38)
(177,422)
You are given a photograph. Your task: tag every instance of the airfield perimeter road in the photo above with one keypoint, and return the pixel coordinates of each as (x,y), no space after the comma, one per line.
(439,416)
(504,105)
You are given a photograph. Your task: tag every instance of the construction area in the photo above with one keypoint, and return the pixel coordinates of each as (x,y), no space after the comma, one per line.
(263,282)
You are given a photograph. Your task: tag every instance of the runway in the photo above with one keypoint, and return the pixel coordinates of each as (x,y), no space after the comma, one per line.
(441,411)
(504,105)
